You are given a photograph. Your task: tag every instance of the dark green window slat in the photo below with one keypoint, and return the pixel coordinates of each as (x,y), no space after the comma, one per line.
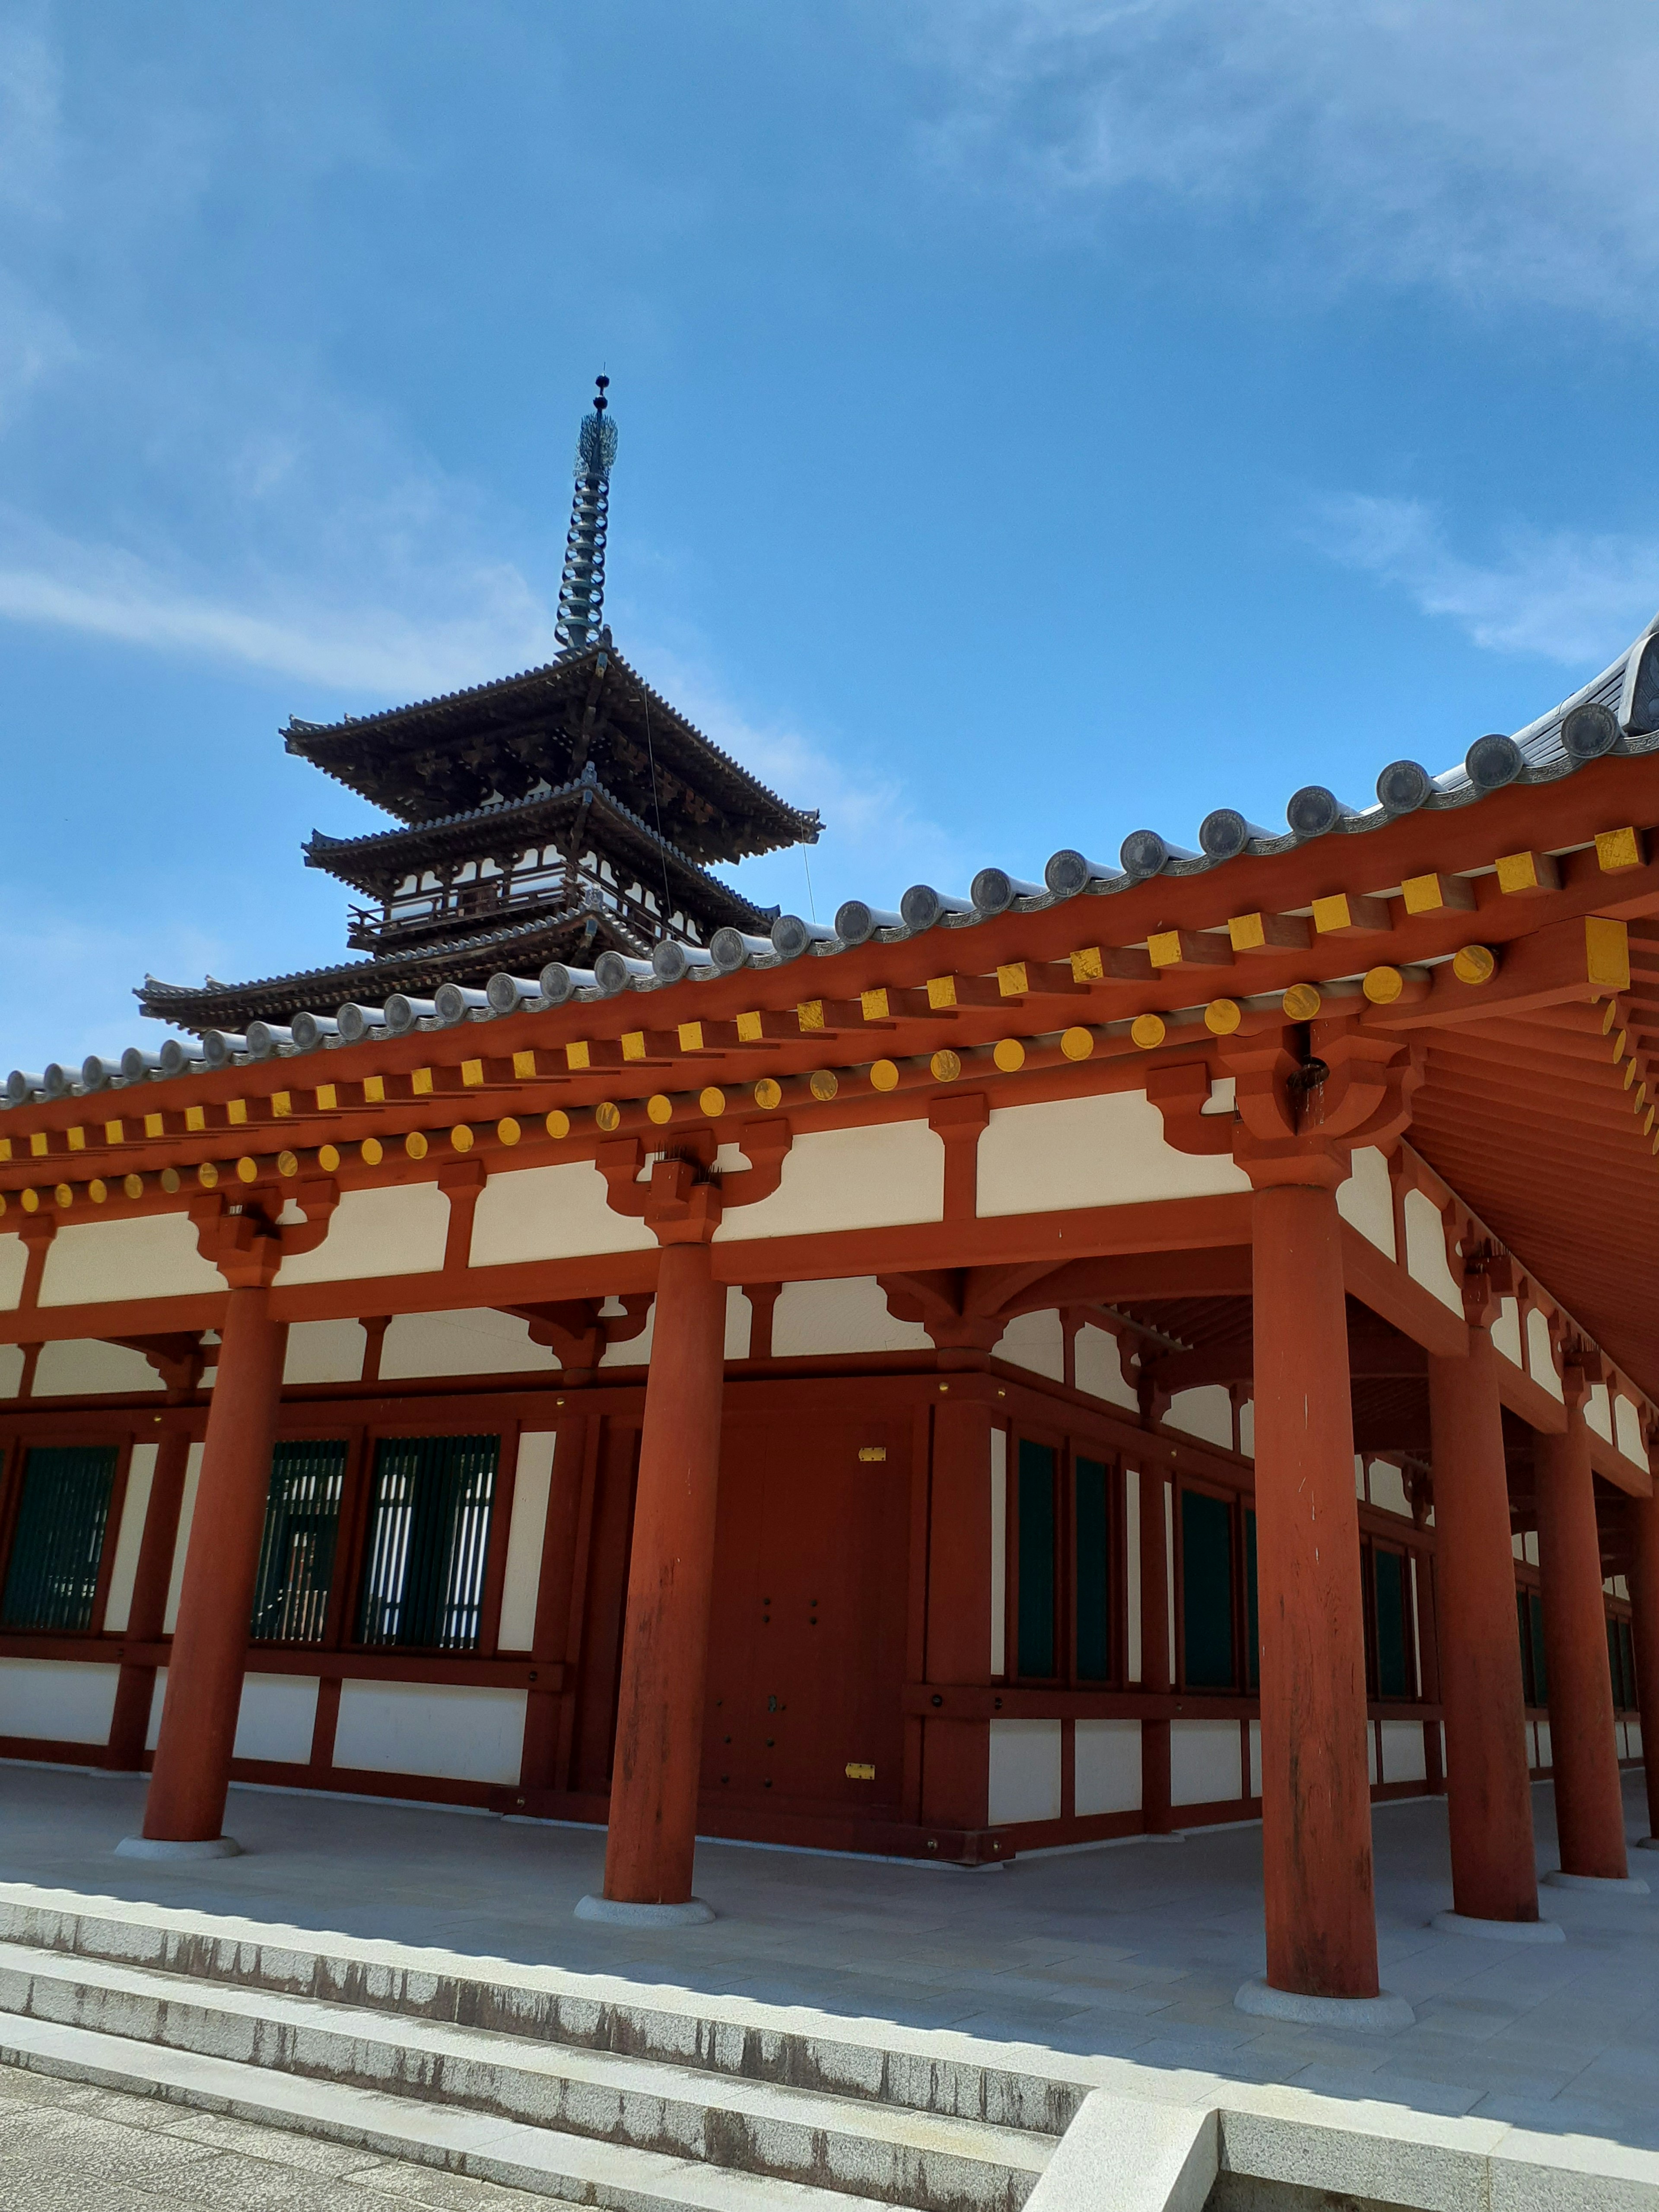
(1252,1606)
(1037,1558)
(1393,1663)
(428,1533)
(1627,1646)
(1207,1590)
(62,1517)
(1621,1664)
(1523,1625)
(1540,1675)
(1094,1619)
(296,1554)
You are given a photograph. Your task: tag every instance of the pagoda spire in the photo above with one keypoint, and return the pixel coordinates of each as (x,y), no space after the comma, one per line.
(581,588)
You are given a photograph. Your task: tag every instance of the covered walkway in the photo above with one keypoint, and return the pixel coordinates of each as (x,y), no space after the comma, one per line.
(1133,1951)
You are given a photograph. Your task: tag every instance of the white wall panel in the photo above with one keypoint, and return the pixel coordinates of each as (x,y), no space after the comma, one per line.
(1426,1251)
(398,1229)
(324,1352)
(1540,1355)
(739,1324)
(634,1351)
(846,1314)
(1204,1767)
(1206,1412)
(866,1178)
(1389,1488)
(152,1255)
(1024,1780)
(1366,1200)
(14,1265)
(82,1366)
(1546,1756)
(1106,1777)
(1506,1333)
(558,1212)
(56,1700)
(181,1546)
(1627,1431)
(158,1697)
(1099,1370)
(1035,1341)
(1598,1412)
(1104,1151)
(1247,1428)
(431,1728)
(141,1474)
(532,1487)
(1254,1777)
(276,1718)
(476,1341)
(11,1370)
(1404,1756)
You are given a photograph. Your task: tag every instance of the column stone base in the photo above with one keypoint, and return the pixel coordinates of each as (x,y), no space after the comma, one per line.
(616,1912)
(1378,2015)
(1610,1885)
(156,1847)
(1499,1931)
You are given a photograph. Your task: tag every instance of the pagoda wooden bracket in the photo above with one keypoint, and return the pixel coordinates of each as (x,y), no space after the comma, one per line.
(765,1144)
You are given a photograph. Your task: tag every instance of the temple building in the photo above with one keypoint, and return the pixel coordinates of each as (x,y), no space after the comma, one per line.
(1171,1341)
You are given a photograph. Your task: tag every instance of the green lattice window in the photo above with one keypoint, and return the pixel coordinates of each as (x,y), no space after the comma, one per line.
(428,1536)
(1037,1558)
(1206,1592)
(1529,1616)
(63,1516)
(1094,1564)
(296,1555)
(1392,1600)
(1621,1664)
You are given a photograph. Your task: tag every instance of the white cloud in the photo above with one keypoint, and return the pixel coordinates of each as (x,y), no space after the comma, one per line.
(1570,596)
(1501,149)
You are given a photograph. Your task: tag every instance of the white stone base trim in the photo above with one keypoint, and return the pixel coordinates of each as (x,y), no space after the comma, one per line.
(1615,1885)
(618,1914)
(1378,2015)
(154,1847)
(1500,1931)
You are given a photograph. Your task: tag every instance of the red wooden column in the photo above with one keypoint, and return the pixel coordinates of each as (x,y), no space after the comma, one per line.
(1489,1808)
(1643,1581)
(185,1811)
(1590,1813)
(651,1836)
(1316,1790)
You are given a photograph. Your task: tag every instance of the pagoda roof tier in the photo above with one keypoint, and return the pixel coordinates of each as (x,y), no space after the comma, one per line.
(500,741)
(582,814)
(527,946)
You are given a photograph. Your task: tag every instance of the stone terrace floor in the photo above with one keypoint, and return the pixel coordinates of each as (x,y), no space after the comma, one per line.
(1132,1951)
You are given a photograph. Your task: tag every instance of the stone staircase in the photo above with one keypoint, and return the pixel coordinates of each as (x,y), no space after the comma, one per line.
(584,2090)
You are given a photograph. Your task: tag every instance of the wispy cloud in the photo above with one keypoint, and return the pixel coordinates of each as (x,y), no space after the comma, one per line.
(1571,596)
(1499,148)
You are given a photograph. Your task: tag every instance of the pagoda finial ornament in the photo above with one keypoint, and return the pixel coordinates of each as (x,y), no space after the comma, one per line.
(581,588)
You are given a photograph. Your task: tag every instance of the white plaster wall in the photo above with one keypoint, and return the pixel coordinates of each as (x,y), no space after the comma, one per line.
(141,1474)
(152,1255)
(1206,1412)
(158,1698)
(1106,1772)
(846,1314)
(1426,1251)
(1204,1762)
(532,1487)
(1506,1333)
(1101,1151)
(1134,1484)
(1628,1429)
(1247,1428)
(1598,1412)
(1540,1355)
(1204,1766)
(57,1700)
(11,1370)
(276,1718)
(559,1213)
(478,1340)
(14,1265)
(1098,1369)
(398,1231)
(429,1727)
(634,1351)
(1404,1757)
(1255,1759)
(1529,1547)
(739,1324)
(999,1551)
(1037,1341)
(1366,1200)
(181,1548)
(866,1178)
(78,1366)
(1389,1488)
(1546,1756)
(324,1352)
(1024,1779)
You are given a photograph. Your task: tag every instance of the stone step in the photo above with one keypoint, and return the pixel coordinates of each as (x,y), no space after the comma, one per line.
(928,2071)
(570,2170)
(892,2154)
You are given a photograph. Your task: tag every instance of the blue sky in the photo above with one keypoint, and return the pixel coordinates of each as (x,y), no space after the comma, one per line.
(1040,418)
